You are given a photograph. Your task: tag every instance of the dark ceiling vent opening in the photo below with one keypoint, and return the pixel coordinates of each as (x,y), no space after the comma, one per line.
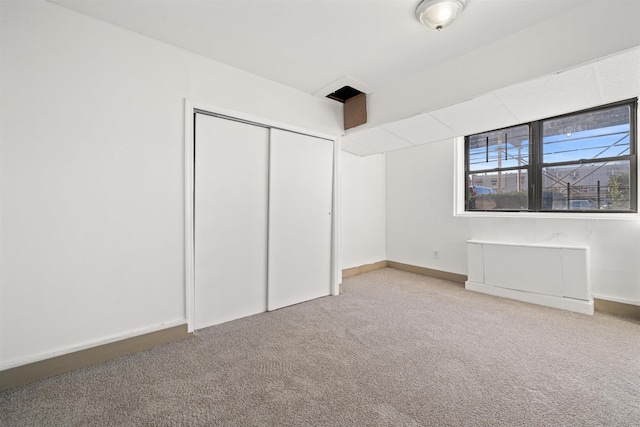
(344,93)
(355,106)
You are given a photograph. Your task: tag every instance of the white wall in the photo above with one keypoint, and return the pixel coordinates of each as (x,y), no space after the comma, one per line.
(362,219)
(420,207)
(420,219)
(92,175)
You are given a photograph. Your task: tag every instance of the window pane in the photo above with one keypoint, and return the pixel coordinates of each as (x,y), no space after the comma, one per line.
(499,149)
(589,186)
(502,191)
(593,135)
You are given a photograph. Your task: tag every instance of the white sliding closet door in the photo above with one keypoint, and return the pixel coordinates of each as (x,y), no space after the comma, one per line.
(231,207)
(300,205)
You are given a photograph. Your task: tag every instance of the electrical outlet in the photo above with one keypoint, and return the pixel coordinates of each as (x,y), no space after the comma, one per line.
(436,254)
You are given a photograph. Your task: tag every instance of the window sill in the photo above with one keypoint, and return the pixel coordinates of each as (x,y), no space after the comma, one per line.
(632,216)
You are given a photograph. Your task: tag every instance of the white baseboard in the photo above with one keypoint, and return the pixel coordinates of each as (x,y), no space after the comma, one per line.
(575,305)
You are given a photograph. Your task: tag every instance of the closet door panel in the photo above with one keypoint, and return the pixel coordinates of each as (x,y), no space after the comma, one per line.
(300,204)
(231,207)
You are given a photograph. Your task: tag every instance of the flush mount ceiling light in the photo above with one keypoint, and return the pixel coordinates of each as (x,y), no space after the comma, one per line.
(439,14)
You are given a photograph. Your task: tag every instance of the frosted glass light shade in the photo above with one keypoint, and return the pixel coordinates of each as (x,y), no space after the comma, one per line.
(438,14)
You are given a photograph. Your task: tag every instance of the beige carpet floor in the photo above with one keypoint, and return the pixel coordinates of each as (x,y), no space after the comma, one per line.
(396,349)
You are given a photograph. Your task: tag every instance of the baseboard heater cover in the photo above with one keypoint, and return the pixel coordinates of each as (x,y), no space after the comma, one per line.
(553,276)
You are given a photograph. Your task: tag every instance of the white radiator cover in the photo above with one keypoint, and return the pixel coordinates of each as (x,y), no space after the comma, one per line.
(554,276)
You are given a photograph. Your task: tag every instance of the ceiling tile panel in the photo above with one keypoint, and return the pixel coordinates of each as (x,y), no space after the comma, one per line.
(476,115)
(357,149)
(378,140)
(420,129)
(552,95)
(619,76)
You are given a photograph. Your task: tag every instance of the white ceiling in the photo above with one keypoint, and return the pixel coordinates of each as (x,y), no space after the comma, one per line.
(608,80)
(380,46)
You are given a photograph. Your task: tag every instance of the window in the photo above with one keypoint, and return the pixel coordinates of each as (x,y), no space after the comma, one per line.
(579,162)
